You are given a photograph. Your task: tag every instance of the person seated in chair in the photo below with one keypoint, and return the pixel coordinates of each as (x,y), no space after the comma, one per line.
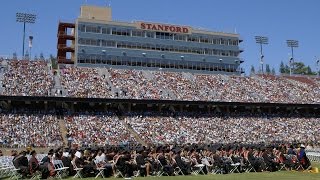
(303,159)
(81,162)
(183,165)
(142,163)
(21,162)
(34,166)
(268,159)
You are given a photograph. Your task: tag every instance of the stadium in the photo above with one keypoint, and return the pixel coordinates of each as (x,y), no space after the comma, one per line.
(153,100)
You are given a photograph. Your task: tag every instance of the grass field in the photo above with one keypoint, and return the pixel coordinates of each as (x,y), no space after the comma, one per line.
(282,175)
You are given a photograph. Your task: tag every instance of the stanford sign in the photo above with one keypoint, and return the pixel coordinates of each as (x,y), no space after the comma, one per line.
(164,28)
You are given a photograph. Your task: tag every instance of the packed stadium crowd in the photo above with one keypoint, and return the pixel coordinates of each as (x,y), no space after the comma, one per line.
(176,143)
(197,128)
(33,78)
(87,130)
(133,84)
(36,130)
(84,83)
(99,130)
(27,78)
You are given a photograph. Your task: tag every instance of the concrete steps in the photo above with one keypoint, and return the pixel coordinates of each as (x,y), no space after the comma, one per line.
(132,131)
(64,131)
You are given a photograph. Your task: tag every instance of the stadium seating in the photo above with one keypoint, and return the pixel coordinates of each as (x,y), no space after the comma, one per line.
(97,130)
(27,78)
(33,78)
(36,130)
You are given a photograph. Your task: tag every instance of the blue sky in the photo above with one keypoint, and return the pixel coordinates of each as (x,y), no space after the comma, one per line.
(277,19)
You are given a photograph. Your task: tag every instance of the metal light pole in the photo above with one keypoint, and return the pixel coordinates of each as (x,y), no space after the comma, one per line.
(25,18)
(30,46)
(261,40)
(292,44)
(317,65)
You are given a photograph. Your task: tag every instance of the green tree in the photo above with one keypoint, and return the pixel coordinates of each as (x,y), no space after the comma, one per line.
(310,72)
(286,69)
(54,62)
(299,68)
(273,71)
(282,68)
(268,70)
(252,70)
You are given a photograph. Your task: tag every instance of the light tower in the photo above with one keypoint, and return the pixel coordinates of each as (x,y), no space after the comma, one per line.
(292,44)
(25,18)
(317,65)
(30,46)
(261,40)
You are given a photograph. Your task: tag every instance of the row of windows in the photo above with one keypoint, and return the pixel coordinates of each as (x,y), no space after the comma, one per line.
(153,47)
(158,35)
(119,61)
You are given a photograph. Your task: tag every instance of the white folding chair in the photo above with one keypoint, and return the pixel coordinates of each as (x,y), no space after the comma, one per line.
(118,173)
(100,169)
(249,167)
(198,168)
(161,170)
(177,170)
(59,169)
(78,170)
(234,166)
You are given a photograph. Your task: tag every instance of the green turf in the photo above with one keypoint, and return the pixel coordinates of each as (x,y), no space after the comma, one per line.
(281,175)
(243,176)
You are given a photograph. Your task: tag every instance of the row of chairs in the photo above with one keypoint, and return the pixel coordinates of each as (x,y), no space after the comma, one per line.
(7,168)
(314,156)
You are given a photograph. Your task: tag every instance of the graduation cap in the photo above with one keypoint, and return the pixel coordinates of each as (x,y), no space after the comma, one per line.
(176,150)
(139,149)
(32,152)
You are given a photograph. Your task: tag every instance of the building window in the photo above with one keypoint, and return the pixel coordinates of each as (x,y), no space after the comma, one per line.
(93,29)
(82,28)
(137,33)
(180,37)
(193,38)
(106,31)
(204,40)
(149,34)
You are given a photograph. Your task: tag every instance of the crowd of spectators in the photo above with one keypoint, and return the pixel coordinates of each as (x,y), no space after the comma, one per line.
(84,83)
(90,130)
(165,129)
(32,78)
(87,130)
(27,78)
(133,85)
(34,130)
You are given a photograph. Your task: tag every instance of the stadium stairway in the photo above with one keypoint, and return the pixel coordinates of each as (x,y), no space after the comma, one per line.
(64,131)
(132,131)
(188,76)
(104,71)
(148,75)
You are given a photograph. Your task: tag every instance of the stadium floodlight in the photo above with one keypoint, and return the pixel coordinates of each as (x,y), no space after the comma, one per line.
(30,45)
(25,18)
(261,40)
(292,44)
(317,65)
